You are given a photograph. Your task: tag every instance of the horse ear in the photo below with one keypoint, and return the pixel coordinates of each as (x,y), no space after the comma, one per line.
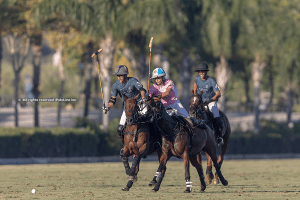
(201,92)
(192,91)
(125,97)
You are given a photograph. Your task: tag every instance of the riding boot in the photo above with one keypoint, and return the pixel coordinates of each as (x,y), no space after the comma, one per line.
(219,129)
(121,136)
(198,123)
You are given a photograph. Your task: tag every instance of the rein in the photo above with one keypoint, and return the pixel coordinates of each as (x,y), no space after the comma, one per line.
(159,115)
(137,120)
(197,108)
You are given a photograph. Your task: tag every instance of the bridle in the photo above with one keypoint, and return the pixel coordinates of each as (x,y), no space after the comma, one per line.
(198,108)
(137,118)
(157,115)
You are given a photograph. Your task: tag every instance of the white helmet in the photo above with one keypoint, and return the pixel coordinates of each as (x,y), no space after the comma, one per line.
(158,72)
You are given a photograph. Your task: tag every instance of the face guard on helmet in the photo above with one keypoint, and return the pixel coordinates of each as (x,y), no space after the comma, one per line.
(158,72)
(121,70)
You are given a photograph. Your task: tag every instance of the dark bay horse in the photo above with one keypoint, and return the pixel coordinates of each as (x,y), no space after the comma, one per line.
(137,139)
(183,141)
(197,110)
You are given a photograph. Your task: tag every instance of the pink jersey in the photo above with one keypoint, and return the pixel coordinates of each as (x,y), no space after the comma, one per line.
(156,90)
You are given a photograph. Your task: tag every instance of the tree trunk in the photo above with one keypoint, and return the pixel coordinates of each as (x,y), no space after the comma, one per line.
(271,82)
(17,80)
(165,64)
(18,48)
(60,95)
(161,61)
(106,57)
(129,55)
(36,62)
(289,100)
(257,74)
(289,93)
(87,90)
(80,84)
(1,52)
(185,74)
(62,79)
(157,58)
(144,71)
(223,74)
(88,74)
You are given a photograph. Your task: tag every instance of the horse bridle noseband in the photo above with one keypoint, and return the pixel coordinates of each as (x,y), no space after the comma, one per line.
(198,110)
(136,117)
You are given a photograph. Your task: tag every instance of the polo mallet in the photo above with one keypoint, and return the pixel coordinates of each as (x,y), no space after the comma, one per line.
(150,46)
(96,53)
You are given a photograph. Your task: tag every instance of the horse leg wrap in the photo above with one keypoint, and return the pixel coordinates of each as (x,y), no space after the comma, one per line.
(188,185)
(130,178)
(209,172)
(129,184)
(126,165)
(135,162)
(157,176)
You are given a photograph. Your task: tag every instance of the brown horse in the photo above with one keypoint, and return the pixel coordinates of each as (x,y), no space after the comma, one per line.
(137,139)
(197,110)
(180,139)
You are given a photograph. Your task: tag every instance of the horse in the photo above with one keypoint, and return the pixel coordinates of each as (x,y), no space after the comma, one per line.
(198,110)
(137,138)
(181,139)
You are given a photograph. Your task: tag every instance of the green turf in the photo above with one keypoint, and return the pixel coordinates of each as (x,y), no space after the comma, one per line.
(248,179)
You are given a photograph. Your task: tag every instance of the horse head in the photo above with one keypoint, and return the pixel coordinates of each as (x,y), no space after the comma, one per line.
(131,109)
(157,106)
(196,105)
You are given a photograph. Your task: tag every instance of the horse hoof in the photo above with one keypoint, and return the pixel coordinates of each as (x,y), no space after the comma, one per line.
(152,183)
(135,179)
(125,189)
(201,190)
(153,190)
(216,181)
(225,183)
(187,191)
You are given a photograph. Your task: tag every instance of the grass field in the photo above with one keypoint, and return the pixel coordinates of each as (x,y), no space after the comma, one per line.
(248,179)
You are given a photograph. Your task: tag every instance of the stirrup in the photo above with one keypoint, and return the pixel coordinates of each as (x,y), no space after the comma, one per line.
(220,141)
(121,153)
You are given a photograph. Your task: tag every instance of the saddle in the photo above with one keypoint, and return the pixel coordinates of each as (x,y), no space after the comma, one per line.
(211,122)
(187,123)
(171,111)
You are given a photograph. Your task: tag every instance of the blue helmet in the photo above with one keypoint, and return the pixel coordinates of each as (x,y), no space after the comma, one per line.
(158,72)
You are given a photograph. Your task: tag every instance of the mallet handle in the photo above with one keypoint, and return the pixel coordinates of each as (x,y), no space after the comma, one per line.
(150,46)
(96,52)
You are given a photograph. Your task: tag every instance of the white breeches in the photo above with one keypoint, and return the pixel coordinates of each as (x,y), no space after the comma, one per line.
(180,109)
(214,109)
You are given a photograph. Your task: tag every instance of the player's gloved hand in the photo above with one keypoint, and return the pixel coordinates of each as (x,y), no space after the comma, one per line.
(147,97)
(105,109)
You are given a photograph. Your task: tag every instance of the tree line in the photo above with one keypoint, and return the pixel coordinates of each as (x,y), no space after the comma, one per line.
(255,41)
